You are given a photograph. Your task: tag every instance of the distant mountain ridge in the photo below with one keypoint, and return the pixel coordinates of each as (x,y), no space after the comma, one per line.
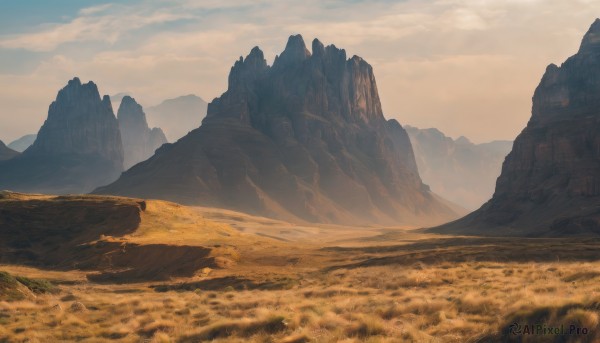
(178,116)
(303,139)
(458,170)
(550,181)
(21,144)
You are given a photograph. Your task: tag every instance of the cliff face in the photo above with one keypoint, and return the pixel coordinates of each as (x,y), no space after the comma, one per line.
(6,153)
(139,141)
(77,149)
(458,170)
(303,139)
(550,181)
(80,123)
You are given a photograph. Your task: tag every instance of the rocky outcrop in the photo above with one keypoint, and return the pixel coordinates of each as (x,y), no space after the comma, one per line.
(6,153)
(77,149)
(22,143)
(550,181)
(304,139)
(458,170)
(178,116)
(139,141)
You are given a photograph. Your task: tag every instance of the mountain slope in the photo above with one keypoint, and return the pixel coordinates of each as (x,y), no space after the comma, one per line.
(550,181)
(458,170)
(6,153)
(123,239)
(302,139)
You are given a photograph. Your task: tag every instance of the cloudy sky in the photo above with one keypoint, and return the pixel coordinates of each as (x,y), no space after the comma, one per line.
(467,67)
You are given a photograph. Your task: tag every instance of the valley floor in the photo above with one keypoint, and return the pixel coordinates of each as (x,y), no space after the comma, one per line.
(291,283)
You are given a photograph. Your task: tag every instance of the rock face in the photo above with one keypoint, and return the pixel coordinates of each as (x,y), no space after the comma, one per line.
(458,170)
(178,116)
(6,153)
(303,139)
(139,141)
(77,149)
(22,143)
(550,181)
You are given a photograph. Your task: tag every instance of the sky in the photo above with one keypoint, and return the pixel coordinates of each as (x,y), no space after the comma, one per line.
(466,67)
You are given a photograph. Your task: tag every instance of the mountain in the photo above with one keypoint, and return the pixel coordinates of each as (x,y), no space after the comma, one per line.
(117,98)
(6,153)
(458,170)
(550,181)
(177,116)
(22,143)
(76,150)
(139,141)
(302,139)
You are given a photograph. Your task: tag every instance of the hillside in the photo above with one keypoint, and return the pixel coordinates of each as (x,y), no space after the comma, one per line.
(119,238)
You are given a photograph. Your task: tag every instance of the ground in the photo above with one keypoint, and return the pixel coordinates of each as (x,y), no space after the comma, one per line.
(261,280)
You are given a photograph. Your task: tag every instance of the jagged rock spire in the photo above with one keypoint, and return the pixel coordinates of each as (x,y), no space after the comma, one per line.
(139,141)
(591,40)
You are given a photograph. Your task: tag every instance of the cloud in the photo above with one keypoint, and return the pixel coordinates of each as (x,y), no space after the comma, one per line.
(91,27)
(95,9)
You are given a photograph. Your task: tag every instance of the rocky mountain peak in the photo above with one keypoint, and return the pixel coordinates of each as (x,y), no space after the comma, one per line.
(74,83)
(77,148)
(256,57)
(318,49)
(463,140)
(591,40)
(107,102)
(245,71)
(295,51)
(571,89)
(139,141)
(130,110)
(80,122)
(324,84)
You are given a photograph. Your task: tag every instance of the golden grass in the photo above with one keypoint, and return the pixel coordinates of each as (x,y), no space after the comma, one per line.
(478,303)
(403,287)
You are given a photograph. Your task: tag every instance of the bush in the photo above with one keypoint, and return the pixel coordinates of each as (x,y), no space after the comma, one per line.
(37,286)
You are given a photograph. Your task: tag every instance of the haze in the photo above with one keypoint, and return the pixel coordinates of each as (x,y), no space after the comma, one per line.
(465,67)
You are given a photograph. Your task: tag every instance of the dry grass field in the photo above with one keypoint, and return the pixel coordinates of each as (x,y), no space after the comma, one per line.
(261,280)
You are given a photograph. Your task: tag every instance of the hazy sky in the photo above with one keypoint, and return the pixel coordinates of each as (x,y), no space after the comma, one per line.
(467,67)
